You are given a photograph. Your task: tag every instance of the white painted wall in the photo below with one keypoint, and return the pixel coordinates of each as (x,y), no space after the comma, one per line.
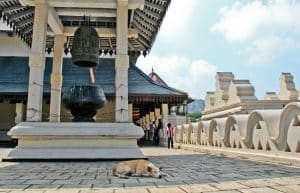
(12,46)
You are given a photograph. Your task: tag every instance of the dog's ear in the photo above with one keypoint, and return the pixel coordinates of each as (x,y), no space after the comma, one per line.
(149,169)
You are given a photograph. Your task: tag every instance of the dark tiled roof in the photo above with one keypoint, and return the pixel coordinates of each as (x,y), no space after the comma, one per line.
(14,75)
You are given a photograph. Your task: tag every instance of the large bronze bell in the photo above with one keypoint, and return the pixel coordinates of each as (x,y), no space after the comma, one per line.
(83,101)
(85,49)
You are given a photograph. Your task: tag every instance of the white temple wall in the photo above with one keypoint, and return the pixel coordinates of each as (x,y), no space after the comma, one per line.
(105,114)
(12,46)
(7,118)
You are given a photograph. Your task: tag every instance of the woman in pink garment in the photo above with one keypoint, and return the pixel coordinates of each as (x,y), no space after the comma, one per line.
(170,134)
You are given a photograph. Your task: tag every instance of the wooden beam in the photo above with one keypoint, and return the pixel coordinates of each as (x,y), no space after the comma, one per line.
(145,24)
(153,5)
(143,30)
(145,17)
(110,4)
(102,32)
(24,22)
(87,12)
(12,8)
(54,21)
(21,14)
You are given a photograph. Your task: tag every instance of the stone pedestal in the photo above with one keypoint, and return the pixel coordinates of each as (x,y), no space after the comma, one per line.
(75,141)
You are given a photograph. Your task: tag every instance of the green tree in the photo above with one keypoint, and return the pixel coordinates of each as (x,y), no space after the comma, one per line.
(195,116)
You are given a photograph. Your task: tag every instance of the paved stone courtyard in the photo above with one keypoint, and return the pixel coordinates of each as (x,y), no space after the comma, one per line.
(188,172)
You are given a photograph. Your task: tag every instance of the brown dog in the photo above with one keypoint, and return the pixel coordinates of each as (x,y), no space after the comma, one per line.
(137,168)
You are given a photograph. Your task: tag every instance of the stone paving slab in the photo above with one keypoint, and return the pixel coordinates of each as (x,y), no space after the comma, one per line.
(188,172)
(288,188)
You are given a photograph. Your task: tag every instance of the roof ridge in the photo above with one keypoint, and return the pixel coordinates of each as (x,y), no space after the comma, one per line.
(155,83)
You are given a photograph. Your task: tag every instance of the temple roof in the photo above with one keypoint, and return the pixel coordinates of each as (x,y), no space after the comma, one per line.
(156,78)
(19,14)
(14,75)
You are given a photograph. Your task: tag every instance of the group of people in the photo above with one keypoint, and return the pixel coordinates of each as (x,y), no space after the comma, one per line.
(153,133)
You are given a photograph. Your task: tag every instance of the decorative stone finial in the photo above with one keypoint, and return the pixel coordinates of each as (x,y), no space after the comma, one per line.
(287,87)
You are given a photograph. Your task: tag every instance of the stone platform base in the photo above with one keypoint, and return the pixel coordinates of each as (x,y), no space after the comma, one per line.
(75,141)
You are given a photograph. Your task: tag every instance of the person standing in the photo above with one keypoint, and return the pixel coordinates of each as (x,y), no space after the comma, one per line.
(156,133)
(152,130)
(170,135)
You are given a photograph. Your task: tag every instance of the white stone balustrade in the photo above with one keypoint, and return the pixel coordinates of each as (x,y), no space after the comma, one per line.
(186,133)
(234,120)
(178,134)
(195,134)
(265,130)
(204,135)
(220,137)
(236,128)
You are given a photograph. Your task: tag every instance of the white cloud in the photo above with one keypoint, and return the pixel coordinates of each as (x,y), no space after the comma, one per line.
(194,77)
(267,49)
(178,18)
(268,29)
(244,21)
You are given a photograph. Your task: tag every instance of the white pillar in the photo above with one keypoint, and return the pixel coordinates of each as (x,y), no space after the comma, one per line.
(152,117)
(147,122)
(165,114)
(122,62)
(165,120)
(157,113)
(37,62)
(130,112)
(144,122)
(56,78)
(19,113)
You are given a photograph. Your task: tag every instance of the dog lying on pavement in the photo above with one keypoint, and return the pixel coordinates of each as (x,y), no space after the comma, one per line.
(137,168)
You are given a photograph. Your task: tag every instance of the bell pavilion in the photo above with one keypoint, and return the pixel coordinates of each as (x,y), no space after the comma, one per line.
(37,69)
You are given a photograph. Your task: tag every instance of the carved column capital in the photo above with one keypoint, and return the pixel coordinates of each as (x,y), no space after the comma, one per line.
(37,60)
(56,80)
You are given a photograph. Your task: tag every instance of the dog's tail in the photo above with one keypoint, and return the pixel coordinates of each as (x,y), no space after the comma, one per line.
(114,168)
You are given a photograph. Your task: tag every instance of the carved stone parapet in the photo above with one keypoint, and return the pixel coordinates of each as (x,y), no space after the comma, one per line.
(209,100)
(271,96)
(287,87)
(223,80)
(240,91)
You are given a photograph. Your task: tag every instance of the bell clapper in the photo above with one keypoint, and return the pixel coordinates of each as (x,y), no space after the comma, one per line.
(92,76)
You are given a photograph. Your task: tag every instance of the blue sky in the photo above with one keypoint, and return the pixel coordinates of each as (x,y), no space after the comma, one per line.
(256,40)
